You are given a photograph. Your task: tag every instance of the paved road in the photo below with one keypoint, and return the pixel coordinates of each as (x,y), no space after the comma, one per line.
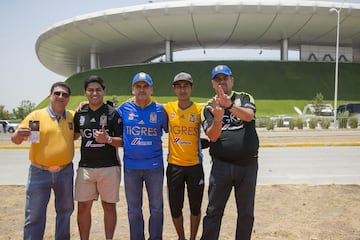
(280,165)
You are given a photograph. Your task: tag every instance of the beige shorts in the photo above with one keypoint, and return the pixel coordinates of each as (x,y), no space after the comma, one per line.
(92,182)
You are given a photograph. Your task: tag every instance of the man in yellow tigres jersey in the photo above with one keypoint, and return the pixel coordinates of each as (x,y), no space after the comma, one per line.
(185,157)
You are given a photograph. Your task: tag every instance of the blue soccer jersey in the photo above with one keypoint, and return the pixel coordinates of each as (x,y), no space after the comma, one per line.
(142,132)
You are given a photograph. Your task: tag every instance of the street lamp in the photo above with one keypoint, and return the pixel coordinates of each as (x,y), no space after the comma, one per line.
(337,10)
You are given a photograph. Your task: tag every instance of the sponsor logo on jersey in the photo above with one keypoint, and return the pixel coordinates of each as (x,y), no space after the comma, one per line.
(184,130)
(90,133)
(90,144)
(139,142)
(141,131)
(177,140)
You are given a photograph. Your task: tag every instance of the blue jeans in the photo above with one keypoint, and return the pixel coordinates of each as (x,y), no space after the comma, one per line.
(39,185)
(223,177)
(153,179)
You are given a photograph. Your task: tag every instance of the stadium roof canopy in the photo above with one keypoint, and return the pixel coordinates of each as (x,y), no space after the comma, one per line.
(140,33)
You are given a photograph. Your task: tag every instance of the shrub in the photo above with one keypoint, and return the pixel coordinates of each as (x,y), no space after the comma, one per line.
(280,122)
(325,123)
(261,122)
(292,123)
(313,123)
(353,122)
(270,124)
(342,120)
(300,123)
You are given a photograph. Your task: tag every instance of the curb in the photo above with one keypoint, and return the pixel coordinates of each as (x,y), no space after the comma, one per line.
(325,144)
(328,144)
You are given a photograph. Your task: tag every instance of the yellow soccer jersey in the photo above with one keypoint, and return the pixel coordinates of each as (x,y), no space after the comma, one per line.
(184,134)
(56,146)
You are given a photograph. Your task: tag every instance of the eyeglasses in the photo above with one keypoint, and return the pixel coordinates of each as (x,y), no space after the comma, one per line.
(63,94)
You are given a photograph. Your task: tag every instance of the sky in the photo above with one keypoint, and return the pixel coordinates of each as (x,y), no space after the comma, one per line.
(22,22)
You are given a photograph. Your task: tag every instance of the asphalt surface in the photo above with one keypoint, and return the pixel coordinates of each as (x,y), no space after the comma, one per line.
(279,165)
(312,165)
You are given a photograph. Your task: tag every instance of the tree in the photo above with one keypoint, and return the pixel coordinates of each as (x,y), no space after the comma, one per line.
(4,114)
(26,107)
(318,102)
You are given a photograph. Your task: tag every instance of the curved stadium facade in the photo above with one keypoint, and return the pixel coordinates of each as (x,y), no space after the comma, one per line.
(138,34)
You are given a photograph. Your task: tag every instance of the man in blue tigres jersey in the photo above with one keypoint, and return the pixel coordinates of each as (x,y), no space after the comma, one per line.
(229,122)
(185,157)
(143,124)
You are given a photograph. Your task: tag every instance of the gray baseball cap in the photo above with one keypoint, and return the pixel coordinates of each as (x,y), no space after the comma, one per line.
(183,76)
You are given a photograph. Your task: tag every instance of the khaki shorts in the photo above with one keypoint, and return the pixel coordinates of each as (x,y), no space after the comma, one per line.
(92,182)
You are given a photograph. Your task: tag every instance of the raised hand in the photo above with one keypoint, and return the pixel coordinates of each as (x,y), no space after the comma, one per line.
(216,110)
(223,99)
(101,136)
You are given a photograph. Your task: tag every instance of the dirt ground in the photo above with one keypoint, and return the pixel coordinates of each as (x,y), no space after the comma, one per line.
(282,212)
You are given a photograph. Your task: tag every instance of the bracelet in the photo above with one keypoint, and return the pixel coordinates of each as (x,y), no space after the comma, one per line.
(231,105)
(109,139)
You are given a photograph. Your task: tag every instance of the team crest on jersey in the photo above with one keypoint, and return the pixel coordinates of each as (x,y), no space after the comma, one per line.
(103,120)
(153,117)
(82,120)
(131,116)
(192,117)
(172,115)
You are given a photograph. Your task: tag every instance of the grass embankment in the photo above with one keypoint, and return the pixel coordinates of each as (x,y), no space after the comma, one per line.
(276,86)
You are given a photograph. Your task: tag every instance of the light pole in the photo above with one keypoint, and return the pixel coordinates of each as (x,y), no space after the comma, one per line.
(337,10)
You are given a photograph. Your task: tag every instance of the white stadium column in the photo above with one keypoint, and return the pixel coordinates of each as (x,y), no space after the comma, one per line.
(284,50)
(93,60)
(168,51)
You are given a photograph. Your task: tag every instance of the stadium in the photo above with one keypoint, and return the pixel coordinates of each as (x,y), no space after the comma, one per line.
(117,43)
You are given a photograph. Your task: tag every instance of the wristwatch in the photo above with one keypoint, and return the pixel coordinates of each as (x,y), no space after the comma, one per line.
(109,139)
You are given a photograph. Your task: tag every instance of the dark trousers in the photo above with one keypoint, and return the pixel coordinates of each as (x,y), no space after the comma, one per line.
(223,177)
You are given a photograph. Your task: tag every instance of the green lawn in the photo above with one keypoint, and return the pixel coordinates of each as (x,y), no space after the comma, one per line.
(276,86)
(264,107)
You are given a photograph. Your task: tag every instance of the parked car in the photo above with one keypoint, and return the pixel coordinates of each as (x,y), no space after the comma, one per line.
(10,126)
(349,108)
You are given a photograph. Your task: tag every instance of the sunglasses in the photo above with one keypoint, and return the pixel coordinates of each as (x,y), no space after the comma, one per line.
(63,94)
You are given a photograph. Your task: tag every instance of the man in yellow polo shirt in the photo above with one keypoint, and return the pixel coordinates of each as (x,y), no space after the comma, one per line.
(51,133)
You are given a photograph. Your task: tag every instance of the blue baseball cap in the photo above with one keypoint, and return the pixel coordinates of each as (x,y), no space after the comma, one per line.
(221,69)
(142,77)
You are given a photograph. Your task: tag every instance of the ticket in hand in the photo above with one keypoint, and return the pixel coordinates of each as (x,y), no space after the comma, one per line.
(35,131)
